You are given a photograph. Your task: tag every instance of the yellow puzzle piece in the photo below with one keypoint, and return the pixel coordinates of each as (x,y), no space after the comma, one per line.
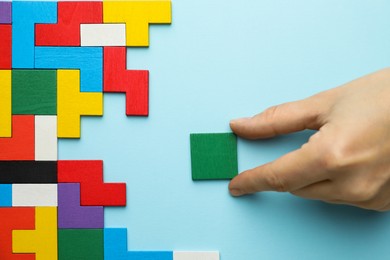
(43,240)
(71,103)
(5,103)
(137,15)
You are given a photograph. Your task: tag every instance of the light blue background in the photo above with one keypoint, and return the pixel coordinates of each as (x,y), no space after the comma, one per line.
(221,60)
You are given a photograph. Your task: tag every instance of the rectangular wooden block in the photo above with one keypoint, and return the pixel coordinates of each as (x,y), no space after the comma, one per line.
(5,195)
(187,255)
(213,156)
(5,46)
(5,12)
(148,255)
(46,138)
(34,195)
(86,244)
(28,172)
(5,103)
(34,92)
(103,34)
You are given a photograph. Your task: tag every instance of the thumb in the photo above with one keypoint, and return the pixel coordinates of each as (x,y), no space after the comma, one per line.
(282,119)
(293,171)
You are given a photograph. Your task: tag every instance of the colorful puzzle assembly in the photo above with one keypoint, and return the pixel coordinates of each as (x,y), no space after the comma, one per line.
(56,61)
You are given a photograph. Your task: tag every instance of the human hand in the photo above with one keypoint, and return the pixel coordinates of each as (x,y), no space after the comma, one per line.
(347,161)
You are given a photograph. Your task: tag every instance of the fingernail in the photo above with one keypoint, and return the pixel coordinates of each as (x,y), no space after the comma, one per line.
(235,192)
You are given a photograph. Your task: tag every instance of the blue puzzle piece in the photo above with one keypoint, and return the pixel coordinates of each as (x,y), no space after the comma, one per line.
(24,17)
(150,255)
(115,248)
(89,60)
(115,243)
(5,195)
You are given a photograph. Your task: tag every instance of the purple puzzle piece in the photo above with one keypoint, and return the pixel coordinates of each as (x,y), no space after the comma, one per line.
(5,12)
(71,214)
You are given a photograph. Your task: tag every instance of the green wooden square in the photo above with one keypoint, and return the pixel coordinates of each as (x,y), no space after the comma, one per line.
(80,244)
(213,156)
(34,92)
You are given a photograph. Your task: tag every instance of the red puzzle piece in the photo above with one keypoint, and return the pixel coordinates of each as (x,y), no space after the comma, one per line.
(5,46)
(14,219)
(94,192)
(135,83)
(67,31)
(21,146)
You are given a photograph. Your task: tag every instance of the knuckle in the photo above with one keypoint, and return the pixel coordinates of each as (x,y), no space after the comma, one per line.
(270,113)
(364,192)
(269,116)
(276,182)
(335,158)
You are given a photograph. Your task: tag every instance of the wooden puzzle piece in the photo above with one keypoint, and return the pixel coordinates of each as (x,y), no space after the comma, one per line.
(137,15)
(34,92)
(67,31)
(5,12)
(21,145)
(89,60)
(149,255)
(12,219)
(5,46)
(135,83)
(5,104)
(43,195)
(25,14)
(115,243)
(43,240)
(213,156)
(103,34)
(72,103)
(182,255)
(94,192)
(115,247)
(28,172)
(46,138)
(71,214)
(5,195)
(85,244)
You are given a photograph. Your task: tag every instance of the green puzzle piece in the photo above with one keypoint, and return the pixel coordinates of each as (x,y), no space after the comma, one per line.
(213,156)
(80,244)
(34,92)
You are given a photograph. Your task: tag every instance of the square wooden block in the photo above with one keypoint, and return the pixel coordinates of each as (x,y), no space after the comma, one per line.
(213,156)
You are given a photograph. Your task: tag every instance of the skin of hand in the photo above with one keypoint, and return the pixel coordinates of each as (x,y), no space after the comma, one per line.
(347,161)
